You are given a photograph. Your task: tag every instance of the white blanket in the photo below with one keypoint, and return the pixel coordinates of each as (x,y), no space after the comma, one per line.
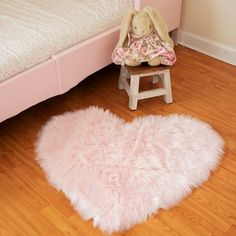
(33,30)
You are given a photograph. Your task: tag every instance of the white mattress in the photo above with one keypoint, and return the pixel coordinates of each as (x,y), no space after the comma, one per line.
(33,30)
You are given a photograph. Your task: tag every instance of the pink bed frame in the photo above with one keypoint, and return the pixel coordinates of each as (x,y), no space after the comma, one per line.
(66,69)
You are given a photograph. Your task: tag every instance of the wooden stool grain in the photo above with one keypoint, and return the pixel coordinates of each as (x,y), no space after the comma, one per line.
(135,74)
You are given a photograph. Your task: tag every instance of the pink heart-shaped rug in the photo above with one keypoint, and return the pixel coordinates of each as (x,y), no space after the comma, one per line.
(119,173)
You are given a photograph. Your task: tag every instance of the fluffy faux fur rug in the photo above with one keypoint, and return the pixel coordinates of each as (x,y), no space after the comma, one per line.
(119,173)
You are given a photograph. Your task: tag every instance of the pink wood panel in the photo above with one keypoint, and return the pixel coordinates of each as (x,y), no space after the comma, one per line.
(57,75)
(164,6)
(80,61)
(28,88)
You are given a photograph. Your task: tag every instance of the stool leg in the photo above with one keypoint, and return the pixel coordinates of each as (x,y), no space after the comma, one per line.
(156,79)
(167,86)
(134,89)
(122,77)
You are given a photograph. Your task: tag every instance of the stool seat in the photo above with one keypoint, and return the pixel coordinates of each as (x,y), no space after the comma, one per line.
(146,69)
(135,73)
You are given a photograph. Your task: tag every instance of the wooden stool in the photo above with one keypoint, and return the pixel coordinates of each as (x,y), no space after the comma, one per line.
(135,73)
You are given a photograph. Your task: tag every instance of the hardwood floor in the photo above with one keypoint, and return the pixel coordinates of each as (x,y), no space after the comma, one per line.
(202,87)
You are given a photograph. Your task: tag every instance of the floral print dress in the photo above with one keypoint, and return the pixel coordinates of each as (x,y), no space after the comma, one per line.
(144,49)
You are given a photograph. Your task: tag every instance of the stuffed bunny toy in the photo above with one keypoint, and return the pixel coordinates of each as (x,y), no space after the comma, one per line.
(144,38)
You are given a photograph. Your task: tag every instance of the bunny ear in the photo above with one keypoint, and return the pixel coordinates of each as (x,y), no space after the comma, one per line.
(159,24)
(125,23)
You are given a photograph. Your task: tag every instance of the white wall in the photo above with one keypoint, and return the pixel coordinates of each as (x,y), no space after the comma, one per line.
(209,26)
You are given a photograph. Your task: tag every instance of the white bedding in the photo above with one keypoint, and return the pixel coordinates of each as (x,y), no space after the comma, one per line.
(33,30)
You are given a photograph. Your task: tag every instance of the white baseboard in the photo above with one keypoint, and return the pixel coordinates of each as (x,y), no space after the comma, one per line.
(208,47)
